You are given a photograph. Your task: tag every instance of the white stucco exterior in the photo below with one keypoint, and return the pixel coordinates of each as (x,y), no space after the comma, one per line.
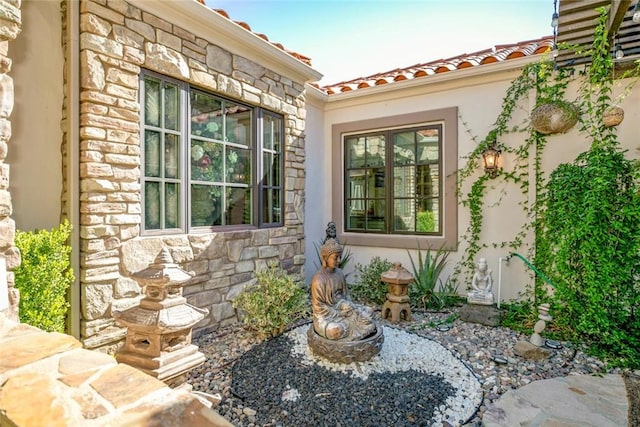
(478,94)
(35,156)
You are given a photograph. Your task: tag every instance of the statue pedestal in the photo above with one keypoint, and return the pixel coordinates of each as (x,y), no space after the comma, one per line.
(480,298)
(345,351)
(483,314)
(396,308)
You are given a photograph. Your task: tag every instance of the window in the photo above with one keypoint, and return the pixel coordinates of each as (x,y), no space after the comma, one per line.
(208,161)
(393,181)
(398,180)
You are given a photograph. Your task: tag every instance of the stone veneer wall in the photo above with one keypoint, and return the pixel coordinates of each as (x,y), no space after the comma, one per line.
(117,40)
(10,27)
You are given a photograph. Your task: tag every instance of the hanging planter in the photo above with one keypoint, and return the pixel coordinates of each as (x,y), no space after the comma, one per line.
(613,116)
(554,117)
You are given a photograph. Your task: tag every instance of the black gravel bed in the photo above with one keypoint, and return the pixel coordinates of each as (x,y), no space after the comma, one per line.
(321,397)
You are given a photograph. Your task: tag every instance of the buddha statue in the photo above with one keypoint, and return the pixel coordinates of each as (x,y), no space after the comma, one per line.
(481,285)
(335,317)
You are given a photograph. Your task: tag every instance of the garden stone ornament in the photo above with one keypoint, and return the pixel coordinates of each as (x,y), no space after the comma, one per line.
(481,285)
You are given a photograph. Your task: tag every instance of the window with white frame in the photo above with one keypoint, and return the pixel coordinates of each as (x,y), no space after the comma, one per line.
(207,161)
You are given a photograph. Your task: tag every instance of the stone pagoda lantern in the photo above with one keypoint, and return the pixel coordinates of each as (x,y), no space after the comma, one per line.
(397,305)
(158,339)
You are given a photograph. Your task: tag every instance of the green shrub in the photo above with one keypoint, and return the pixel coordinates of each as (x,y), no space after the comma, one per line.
(271,304)
(590,246)
(426,275)
(44,276)
(368,287)
(426,221)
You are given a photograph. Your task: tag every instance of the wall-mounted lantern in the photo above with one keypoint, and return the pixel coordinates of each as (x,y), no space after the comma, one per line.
(490,158)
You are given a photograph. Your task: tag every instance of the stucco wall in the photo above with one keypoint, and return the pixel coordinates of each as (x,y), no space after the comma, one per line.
(117,40)
(315,219)
(36,156)
(478,98)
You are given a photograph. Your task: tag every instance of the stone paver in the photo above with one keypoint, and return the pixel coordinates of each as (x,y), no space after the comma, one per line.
(47,380)
(576,400)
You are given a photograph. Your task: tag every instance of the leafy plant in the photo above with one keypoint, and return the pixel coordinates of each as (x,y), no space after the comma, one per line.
(368,287)
(271,304)
(44,277)
(426,221)
(426,276)
(448,293)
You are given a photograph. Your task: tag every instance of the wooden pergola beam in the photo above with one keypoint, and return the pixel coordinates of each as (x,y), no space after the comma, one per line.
(616,15)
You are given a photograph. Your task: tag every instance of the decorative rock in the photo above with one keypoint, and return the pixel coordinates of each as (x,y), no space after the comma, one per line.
(530,351)
(543,315)
(483,314)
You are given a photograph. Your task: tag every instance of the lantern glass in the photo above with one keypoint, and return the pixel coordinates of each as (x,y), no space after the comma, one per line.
(490,157)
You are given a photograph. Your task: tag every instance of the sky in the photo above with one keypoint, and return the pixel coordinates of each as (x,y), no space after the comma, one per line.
(356,38)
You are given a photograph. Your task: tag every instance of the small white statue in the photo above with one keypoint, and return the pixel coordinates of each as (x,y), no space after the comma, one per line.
(481,285)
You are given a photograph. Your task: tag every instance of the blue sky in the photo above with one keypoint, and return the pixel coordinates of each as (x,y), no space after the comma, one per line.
(356,38)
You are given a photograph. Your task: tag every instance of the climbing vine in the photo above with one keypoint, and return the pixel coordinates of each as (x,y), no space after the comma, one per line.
(586,217)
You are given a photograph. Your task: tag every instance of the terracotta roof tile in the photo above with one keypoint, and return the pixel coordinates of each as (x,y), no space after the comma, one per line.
(300,57)
(499,53)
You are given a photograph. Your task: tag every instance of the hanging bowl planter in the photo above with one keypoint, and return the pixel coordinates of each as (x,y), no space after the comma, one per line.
(613,116)
(554,117)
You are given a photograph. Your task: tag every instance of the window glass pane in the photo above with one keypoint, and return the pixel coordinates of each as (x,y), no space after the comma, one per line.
(428,145)
(206,205)
(278,138)
(356,215)
(356,184)
(171,156)
(238,203)
(271,175)
(271,205)
(238,124)
(151,102)
(404,181)
(427,180)
(375,151)
(206,115)
(403,215)
(238,166)
(404,149)
(427,216)
(171,107)
(172,205)
(206,161)
(375,216)
(152,154)
(355,148)
(152,205)
(267,132)
(267,175)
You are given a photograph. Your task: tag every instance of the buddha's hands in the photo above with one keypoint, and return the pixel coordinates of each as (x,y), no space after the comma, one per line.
(345,308)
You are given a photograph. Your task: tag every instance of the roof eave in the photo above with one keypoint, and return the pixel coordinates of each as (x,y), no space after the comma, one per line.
(210,25)
(465,73)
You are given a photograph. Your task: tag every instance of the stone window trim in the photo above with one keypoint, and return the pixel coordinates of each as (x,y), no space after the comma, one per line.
(258,113)
(448,240)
